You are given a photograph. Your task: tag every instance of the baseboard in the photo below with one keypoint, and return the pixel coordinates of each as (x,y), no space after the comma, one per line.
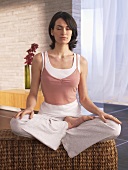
(10,108)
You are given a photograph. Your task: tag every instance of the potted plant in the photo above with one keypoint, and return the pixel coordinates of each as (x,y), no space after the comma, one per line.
(28,62)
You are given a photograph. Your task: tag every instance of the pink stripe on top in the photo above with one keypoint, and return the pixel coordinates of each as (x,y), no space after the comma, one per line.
(59,91)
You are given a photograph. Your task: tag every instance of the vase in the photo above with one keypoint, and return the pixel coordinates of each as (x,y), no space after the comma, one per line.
(27,77)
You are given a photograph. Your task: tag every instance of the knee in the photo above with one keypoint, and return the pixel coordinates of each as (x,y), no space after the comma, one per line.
(115,129)
(15,126)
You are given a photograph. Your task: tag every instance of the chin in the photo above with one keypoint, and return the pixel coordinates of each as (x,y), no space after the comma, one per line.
(64,41)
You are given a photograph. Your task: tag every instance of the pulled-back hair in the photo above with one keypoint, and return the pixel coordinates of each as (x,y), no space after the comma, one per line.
(71,24)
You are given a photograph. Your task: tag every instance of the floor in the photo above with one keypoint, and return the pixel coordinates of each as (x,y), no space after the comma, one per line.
(121,112)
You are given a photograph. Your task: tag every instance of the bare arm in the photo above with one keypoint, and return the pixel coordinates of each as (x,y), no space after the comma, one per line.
(32,97)
(36,72)
(83,94)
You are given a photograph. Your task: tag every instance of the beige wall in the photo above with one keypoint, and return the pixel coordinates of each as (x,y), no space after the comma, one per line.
(21,24)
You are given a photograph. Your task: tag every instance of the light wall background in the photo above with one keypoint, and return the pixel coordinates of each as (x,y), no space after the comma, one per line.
(23,23)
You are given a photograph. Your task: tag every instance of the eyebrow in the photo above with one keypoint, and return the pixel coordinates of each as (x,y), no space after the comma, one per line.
(62,26)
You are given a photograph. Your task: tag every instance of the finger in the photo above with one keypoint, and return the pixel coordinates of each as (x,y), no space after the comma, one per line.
(116,120)
(18,114)
(31,115)
(103,119)
(21,115)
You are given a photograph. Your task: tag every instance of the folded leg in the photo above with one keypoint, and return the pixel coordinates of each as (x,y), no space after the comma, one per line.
(88,133)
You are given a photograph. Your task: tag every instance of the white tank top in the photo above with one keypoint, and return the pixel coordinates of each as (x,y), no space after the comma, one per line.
(56,72)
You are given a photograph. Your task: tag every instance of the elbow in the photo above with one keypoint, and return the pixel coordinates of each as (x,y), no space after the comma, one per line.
(83,100)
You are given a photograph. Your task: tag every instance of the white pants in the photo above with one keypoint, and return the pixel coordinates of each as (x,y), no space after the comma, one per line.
(49,128)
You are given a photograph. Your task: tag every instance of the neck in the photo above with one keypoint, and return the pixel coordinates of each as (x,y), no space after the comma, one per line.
(62,50)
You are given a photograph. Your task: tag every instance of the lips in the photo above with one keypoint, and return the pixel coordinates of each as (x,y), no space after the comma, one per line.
(63,37)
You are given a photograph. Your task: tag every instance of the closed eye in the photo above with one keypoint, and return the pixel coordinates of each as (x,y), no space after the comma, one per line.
(59,27)
(67,28)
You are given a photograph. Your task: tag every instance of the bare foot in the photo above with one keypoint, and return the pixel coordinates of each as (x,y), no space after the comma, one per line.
(76,121)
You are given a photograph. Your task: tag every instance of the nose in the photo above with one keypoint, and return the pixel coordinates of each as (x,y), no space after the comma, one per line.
(63,31)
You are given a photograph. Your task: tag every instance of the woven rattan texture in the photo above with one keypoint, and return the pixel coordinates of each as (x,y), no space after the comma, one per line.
(20,153)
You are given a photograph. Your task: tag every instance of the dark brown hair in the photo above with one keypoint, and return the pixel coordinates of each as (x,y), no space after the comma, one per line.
(70,22)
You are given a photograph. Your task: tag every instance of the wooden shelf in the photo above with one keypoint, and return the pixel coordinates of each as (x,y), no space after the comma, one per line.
(17,98)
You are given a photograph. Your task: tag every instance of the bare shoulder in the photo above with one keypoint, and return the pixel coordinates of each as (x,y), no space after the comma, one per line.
(83,60)
(83,63)
(37,60)
(37,57)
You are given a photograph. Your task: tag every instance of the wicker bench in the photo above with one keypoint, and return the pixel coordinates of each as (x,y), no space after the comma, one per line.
(20,153)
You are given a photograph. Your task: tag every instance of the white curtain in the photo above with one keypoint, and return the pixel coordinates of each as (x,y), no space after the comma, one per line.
(104,43)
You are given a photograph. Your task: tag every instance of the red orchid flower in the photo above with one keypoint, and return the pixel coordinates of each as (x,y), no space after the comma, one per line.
(30,55)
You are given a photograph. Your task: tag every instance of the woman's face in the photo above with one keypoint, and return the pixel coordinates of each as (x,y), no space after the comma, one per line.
(61,32)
